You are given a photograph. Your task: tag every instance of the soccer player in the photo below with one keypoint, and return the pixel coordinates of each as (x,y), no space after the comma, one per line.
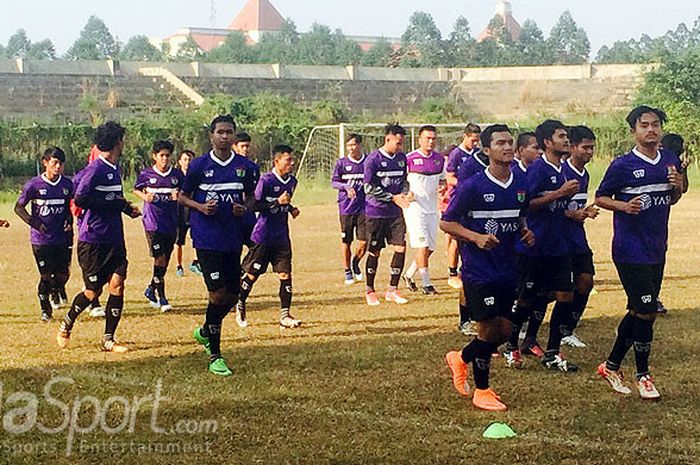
(487,214)
(639,188)
(50,195)
(473,164)
(426,172)
(271,241)
(467,148)
(526,151)
(183,220)
(242,147)
(101,247)
(218,191)
(158,187)
(387,193)
(582,142)
(545,270)
(347,179)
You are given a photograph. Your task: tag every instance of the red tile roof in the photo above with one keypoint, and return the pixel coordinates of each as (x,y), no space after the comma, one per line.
(257,15)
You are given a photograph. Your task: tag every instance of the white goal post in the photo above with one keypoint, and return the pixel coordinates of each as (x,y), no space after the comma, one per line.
(326,144)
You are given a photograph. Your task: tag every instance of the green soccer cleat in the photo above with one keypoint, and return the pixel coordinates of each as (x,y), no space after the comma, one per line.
(202,340)
(219,367)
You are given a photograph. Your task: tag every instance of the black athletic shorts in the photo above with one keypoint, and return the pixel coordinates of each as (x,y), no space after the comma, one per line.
(352,226)
(221,269)
(160,244)
(99,262)
(52,259)
(383,231)
(642,284)
(488,301)
(246,233)
(582,264)
(539,275)
(260,256)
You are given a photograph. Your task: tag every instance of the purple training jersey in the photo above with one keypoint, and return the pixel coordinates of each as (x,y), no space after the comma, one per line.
(386,174)
(576,232)
(272,227)
(547,223)
(224,182)
(161,214)
(50,206)
(472,165)
(101,182)
(485,205)
(456,157)
(349,172)
(643,238)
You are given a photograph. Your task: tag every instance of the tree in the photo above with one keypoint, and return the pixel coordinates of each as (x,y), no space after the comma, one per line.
(95,42)
(189,51)
(423,37)
(347,52)
(316,47)
(234,49)
(461,44)
(139,48)
(568,42)
(532,45)
(379,54)
(18,45)
(3,53)
(43,50)
(280,46)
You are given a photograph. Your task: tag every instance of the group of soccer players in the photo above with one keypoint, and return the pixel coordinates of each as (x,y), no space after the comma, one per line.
(516,213)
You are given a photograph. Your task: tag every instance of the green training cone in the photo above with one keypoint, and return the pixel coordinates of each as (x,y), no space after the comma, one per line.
(499,431)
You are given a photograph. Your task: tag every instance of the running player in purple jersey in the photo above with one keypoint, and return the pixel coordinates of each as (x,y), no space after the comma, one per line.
(577,213)
(387,193)
(218,190)
(487,213)
(158,187)
(526,152)
(242,147)
(50,218)
(347,179)
(271,242)
(101,246)
(545,269)
(639,188)
(426,174)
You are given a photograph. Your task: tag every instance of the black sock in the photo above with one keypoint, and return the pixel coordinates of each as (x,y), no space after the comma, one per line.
(246,287)
(44,290)
(463,313)
(578,306)
(113,313)
(356,265)
(481,365)
(558,327)
(471,350)
(158,281)
(62,292)
(285,297)
(642,336)
(623,342)
(397,263)
(212,328)
(371,270)
(519,316)
(453,271)
(94,303)
(537,313)
(80,303)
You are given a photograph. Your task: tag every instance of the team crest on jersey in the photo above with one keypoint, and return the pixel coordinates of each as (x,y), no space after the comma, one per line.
(639,174)
(521,196)
(553,179)
(209,174)
(489,198)
(43,192)
(240,172)
(65,191)
(174,181)
(402,164)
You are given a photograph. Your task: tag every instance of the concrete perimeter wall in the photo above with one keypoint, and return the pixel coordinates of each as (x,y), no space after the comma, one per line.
(486,92)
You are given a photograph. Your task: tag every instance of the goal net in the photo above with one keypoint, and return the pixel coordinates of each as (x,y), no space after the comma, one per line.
(327,143)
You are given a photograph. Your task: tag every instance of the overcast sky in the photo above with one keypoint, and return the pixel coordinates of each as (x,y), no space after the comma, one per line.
(604,20)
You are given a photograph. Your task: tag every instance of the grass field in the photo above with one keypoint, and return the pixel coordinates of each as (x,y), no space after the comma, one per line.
(353,385)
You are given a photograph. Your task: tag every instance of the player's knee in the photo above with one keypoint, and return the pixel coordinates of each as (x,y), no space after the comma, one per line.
(284,276)
(564,297)
(644,316)
(400,248)
(584,284)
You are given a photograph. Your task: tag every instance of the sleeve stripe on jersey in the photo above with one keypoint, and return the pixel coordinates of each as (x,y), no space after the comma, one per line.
(50,201)
(581,196)
(663,187)
(222,186)
(389,174)
(161,190)
(484,214)
(115,188)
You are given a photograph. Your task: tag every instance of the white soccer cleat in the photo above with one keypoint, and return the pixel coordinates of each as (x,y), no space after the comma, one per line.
(615,379)
(97,312)
(455,282)
(289,322)
(392,295)
(573,341)
(647,388)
